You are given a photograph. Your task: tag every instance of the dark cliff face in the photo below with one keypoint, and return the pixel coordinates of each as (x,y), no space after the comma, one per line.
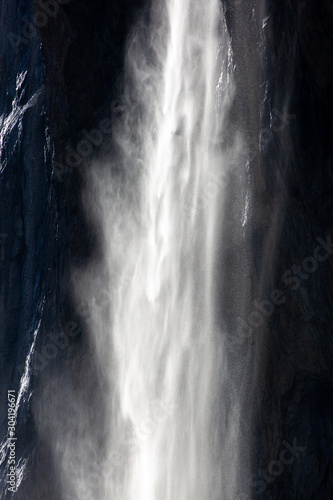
(64,76)
(28,219)
(287,68)
(60,71)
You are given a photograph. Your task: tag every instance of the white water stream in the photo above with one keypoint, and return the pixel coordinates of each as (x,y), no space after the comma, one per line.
(160,216)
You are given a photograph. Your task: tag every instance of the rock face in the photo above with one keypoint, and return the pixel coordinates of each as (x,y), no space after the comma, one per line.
(60,65)
(28,219)
(61,69)
(284,73)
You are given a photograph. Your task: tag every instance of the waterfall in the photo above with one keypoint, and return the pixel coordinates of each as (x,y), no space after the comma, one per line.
(166,249)
(159,204)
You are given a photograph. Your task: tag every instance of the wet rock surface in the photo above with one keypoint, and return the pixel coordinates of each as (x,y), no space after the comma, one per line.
(289,67)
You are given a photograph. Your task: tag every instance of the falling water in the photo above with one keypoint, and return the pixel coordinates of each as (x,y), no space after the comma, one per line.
(160,211)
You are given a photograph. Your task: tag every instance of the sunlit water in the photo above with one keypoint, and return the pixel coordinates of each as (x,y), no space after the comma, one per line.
(160,213)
